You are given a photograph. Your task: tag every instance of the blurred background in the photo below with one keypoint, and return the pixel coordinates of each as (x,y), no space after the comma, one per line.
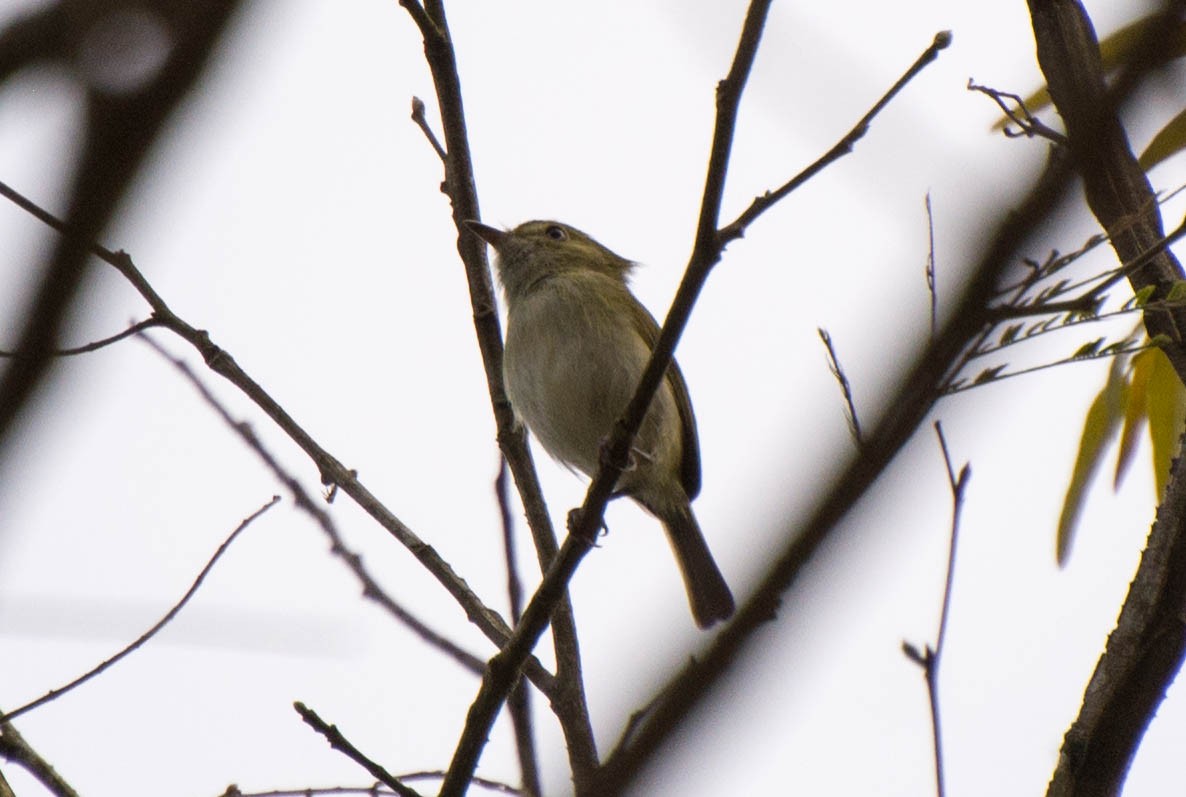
(293,210)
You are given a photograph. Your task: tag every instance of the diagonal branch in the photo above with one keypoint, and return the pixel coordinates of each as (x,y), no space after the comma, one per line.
(331,469)
(106,664)
(844,146)
(568,700)
(504,668)
(908,406)
(1146,650)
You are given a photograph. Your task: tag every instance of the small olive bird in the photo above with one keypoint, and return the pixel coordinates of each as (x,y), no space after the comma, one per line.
(577,342)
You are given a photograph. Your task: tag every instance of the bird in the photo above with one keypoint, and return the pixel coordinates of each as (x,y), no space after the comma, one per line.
(577,342)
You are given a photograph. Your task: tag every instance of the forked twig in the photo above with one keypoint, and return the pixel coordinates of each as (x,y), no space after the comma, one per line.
(151,632)
(928,659)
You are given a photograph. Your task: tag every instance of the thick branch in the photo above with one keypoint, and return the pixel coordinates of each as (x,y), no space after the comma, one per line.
(1146,650)
(1117,189)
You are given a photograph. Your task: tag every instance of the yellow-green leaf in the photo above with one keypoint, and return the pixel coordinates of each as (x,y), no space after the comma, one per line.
(1169,140)
(1136,412)
(1177,291)
(1099,428)
(1167,411)
(1142,296)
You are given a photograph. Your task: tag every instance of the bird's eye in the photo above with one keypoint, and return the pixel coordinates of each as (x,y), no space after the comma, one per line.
(556,233)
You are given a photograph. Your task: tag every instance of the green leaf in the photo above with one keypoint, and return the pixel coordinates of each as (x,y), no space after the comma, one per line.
(1136,412)
(1170,140)
(1010,334)
(1166,404)
(1142,296)
(1099,428)
(1088,349)
(988,374)
(1177,291)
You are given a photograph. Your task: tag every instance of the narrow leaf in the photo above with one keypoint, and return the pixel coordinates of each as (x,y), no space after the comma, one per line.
(988,374)
(1087,349)
(1136,412)
(1169,141)
(1166,402)
(1140,297)
(1099,428)
(1177,291)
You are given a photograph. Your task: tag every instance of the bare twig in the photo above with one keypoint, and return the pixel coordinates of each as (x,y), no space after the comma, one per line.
(907,406)
(1028,124)
(929,659)
(332,471)
(850,409)
(375,790)
(338,548)
(930,267)
(339,742)
(568,700)
(139,326)
(422,123)
(151,632)
(844,146)
(519,702)
(514,584)
(706,251)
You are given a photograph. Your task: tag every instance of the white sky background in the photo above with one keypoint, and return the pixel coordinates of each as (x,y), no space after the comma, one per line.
(294,212)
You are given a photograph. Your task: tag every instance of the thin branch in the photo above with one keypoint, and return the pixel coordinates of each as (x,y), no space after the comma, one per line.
(1086,305)
(958,485)
(1029,125)
(850,411)
(332,471)
(999,375)
(514,583)
(930,267)
(422,123)
(907,406)
(485,783)
(583,530)
(519,702)
(339,742)
(139,326)
(843,147)
(930,658)
(568,700)
(151,632)
(338,548)
(376,790)
(1144,257)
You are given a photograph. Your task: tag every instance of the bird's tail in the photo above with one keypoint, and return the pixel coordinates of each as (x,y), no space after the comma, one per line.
(708,594)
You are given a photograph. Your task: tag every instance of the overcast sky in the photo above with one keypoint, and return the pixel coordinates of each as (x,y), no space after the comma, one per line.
(293,211)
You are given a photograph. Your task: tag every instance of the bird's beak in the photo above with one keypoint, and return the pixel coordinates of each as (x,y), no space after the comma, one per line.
(488,234)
